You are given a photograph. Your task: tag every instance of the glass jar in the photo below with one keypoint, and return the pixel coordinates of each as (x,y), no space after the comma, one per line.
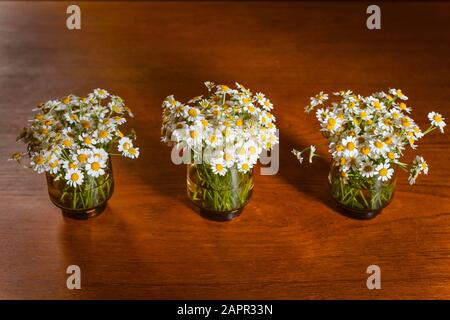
(219,198)
(85,201)
(360,197)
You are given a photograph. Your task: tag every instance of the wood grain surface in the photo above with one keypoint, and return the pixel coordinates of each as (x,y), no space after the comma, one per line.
(289,242)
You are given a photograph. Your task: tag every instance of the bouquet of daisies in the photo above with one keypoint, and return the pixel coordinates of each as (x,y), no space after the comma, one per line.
(368,135)
(72,138)
(224,133)
(225,129)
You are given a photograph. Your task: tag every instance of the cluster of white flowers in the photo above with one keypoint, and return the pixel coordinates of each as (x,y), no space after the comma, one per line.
(72,137)
(228,127)
(367,135)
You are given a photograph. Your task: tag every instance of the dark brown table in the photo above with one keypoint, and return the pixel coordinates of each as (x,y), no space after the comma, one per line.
(289,242)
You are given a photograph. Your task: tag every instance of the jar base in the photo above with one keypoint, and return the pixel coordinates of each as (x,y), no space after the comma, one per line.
(358,214)
(84,214)
(220,215)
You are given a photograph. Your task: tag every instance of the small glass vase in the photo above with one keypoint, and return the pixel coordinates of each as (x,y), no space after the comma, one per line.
(360,197)
(219,198)
(85,201)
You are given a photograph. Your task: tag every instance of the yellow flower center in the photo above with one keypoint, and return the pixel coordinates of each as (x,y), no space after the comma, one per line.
(246,101)
(377,105)
(383,172)
(219,167)
(66,100)
(339,147)
(252,150)
(405,122)
(379,144)
(127,145)
(365,150)
(117,109)
(350,146)
(331,123)
(228,157)
(388,140)
(239,122)
(87,140)
(437,118)
(192,112)
(54,164)
(74,177)
(245,166)
(67,142)
(95,166)
(132,151)
(82,157)
(212,138)
(40,160)
(342,161)
(73,165)
(391,155)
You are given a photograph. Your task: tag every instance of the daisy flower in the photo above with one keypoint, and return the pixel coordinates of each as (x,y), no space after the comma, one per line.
(82,155)
(298,155)
(101,93)
(74,177)
(350,146)
(102,135)
(87,139)
(125,143)
(437,120)
(367,169)
(132,153)
(218,166)
(193,114)
(99,154)
(95,167)
(384,172)
(39,162)
(245,165)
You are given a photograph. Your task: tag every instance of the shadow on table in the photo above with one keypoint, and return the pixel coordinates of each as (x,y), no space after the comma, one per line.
(308,178)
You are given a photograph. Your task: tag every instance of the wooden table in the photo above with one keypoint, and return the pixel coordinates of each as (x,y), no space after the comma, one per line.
(289,242)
